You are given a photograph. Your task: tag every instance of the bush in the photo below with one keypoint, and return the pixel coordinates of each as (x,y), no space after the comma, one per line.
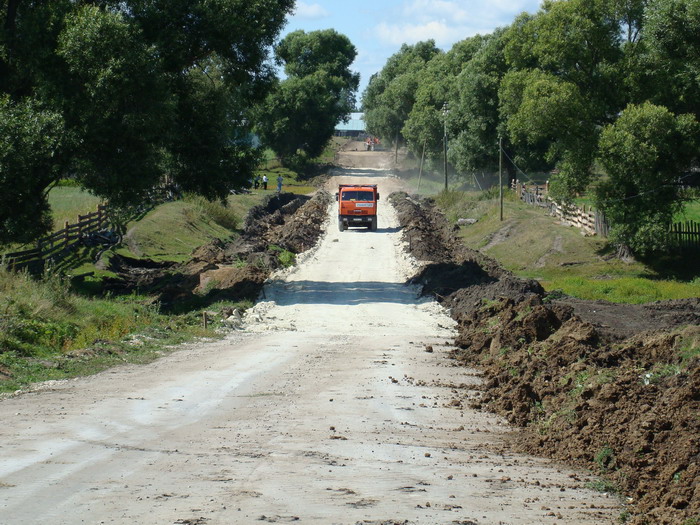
(217,211)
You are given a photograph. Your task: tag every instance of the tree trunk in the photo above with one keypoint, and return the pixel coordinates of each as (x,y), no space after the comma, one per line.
(624,253)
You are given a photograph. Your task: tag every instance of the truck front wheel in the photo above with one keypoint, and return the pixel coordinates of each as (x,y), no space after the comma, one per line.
(373,226)
(341,225)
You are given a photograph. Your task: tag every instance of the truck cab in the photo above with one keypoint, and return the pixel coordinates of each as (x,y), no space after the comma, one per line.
(357,206)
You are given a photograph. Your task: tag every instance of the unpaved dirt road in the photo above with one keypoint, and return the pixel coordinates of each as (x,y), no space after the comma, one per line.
(327,409)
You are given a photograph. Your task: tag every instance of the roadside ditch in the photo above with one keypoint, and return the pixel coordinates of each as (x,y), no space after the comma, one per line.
(274,232)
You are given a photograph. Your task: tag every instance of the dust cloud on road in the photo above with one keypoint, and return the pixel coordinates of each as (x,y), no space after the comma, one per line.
(336,405)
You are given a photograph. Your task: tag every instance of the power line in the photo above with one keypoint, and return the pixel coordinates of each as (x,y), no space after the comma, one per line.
(642,194)
(515,165)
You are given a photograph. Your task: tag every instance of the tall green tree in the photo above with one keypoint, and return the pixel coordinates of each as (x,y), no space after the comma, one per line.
(545,113)
(564,65)
(437,86)
(391,93)
(300,115)
(672,34)
(30,162)
(643,153)
(143,88)
(474,116)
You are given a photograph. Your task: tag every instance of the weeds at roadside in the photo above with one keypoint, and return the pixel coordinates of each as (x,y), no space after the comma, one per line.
(602,485)
(285,257)
(219,212)
(605,459)
(49,332)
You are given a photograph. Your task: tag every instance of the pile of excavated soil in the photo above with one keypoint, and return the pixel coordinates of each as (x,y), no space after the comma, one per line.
(233,270)
(611,387)
(456,274)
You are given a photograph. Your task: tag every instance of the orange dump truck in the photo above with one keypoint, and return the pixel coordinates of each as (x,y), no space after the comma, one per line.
(357,206)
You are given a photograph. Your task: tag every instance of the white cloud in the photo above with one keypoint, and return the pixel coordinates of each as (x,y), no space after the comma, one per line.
(310,11)
(428,9)
(397,34)
(448,21)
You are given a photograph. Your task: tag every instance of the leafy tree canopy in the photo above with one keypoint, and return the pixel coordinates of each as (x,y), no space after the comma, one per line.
(643,152)
(390,95)
(299,116)
(30,161)
(547,113)
(436,86)
(673,37)
(142,88)
(474,118)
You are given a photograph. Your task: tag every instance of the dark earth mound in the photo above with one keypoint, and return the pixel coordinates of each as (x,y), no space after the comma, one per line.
(611,387)
(236,270)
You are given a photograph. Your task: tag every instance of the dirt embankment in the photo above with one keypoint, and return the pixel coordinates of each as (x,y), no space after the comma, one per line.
(614,388)
(235,270)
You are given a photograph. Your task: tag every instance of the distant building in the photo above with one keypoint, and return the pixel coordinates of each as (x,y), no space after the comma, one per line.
(355,127)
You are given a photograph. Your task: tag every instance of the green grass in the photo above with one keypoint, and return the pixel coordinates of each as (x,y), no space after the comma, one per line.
(49,332)
(291,182)
(50,329)
(534,245)
(173,230)
(294,182)
(67,202)
(634,290)
(691,212)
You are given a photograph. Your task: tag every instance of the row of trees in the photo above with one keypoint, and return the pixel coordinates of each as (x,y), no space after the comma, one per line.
(579,84)
(117,94)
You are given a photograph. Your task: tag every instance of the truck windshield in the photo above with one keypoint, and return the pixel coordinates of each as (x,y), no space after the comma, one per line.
(358,196)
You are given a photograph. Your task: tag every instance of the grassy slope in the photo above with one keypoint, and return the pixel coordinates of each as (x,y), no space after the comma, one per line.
(67,202)
(50,332)
(51,329)
(171,231)
(532,244)
(691,212)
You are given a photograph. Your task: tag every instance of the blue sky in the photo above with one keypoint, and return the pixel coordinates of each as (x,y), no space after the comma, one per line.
(379,27)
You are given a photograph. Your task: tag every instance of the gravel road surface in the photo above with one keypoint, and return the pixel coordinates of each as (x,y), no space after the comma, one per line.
(328,408)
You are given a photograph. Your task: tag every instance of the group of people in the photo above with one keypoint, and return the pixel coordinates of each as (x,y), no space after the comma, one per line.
(262,181)
(370,143)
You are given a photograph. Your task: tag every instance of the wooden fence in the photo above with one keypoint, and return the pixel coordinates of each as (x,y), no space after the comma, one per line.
(686,235)
(58,245)
(587,219)
(682,235)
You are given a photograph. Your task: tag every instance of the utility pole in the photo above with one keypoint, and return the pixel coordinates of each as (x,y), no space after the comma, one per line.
(500,175)
(396,148)
(422,160)
(445,111)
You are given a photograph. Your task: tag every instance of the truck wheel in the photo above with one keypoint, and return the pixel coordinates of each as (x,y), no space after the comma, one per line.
(373,226)
(341,225)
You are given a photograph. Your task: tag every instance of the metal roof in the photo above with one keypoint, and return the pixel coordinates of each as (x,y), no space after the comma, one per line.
(356,123)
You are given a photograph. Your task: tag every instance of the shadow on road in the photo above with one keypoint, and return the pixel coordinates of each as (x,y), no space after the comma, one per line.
(341,293)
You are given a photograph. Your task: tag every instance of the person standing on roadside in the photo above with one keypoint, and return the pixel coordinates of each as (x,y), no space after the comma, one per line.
(264,182)
(279,184)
